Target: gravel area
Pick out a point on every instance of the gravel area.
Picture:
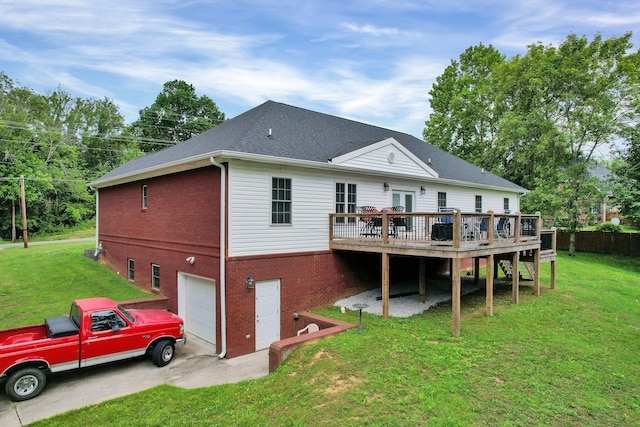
(405, 306)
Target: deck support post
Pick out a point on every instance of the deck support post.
(489, 302)
(385, 285)
(455, 297)
(476, 269)
(553, 274)
(536, 272)
(422, 288)
(515, 278)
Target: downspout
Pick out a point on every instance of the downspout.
(223, 286)
(98, 246)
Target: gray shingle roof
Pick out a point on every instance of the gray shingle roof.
(301, 134)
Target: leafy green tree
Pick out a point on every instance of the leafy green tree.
(465, 113)
(626, 191)
(58, 143)
(552, 112)
(177, 114)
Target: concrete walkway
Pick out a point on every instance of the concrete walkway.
(195, 365)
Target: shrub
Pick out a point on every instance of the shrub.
(609, 227)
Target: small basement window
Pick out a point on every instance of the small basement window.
(130, 269)
(144, 196)
(155, 276)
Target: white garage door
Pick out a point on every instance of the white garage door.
(197, 306)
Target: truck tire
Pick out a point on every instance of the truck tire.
(163, 353)
(25, 384)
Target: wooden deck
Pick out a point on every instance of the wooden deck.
(452, 236)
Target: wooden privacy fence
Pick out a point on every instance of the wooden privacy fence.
(602, 242)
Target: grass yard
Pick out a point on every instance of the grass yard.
(567, 358)
(41, 281)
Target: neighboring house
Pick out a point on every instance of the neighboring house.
(233, 224)
(601, 210)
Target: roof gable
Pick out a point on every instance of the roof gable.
(387, 155)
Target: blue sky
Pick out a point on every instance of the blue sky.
(367, 60)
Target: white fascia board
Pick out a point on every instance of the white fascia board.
(155, 171)
(382, 144)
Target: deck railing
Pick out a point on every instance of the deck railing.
(454, 229)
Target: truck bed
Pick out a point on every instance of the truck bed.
(54, 327)
(22, 334)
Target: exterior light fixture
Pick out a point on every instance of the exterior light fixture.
(423, 190)
(386, 186)
(250, 282)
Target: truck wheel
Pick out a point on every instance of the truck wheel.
(25, 384)
(163, 353)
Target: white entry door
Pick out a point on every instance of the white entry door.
(197, 306)
(267, 313)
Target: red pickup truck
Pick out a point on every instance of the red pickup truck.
(96, 331)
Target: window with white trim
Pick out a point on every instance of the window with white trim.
(345, 200)
(478, 203)
(442, 199)
(280, 200)
(506, 204)
(155, 276)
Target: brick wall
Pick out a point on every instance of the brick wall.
(307, 280)
(159, 303)
(280, 350)
(181, 220)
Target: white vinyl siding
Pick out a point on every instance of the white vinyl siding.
(387, 156)
(314, 198)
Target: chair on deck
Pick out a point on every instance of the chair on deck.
(368, 227)
(503, 228)
(484, 224)
(446, 219)
(310, 328)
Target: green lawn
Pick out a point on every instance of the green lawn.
(567, 358)
(42, 280)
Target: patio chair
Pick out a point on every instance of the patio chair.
(368, 227)
(310, 328)
(503, 228)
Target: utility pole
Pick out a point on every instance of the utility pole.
(23, 209)
(13, 221)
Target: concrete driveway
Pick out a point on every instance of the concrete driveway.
(194, 366)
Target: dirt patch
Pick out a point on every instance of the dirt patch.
(339, 385)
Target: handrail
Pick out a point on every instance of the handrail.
(456, 229)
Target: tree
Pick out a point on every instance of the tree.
(58, 143)
(626, 192)
(551, 112)
(177, 114)
(465, 113)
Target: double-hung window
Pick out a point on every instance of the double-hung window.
(506, 205)
(345, 200)
(478, 203)
(442, 200)
(280, 200)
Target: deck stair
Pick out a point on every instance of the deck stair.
(507, 268)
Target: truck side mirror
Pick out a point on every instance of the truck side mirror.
(115, 328)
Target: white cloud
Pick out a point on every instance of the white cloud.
(372, 60)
